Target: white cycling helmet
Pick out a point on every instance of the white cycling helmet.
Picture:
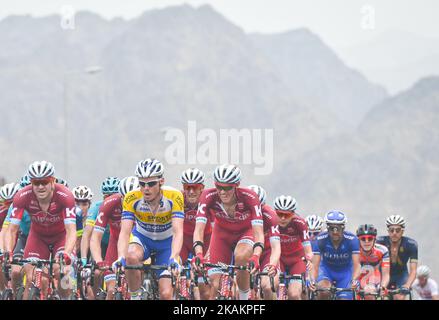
(227, 173)
(40, 169)
(82, 193)
(423, 271)
(336, 217)
(315, 223)
(260, 192)
(285, 203)
(128, 184)
(396, 220)
(8, 191)
(192, 176)
(62, 181)
(149, 168)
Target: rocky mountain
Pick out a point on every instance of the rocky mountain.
(390, 165)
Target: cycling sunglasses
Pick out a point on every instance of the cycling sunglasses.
(367, 238)
(335, 228)
(397, 230)
(224, 188)
(42, 182)
(195, 186)
(150, 184)
(284, 214)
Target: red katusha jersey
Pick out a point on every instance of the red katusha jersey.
(60, 213)
(377, 257)
(293, 235)
(110, 212)
(247, 210)
(271, 225)
(190, 216)
(3, 213)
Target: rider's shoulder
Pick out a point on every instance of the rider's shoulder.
(132, 196)
(322, 236)
(349, 235)
(409, 241)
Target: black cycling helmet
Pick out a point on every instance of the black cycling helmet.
(366, 229)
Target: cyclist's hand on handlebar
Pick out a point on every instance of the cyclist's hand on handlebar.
(66, 258)
(120, 262)
(404, 290)
(271, 270)
(253, 263)
(355, 284)
(198, 261)
(174, 266)
(312, 285)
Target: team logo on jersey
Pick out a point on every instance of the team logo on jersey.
(99, 217)
(275, 229)
(201, 208)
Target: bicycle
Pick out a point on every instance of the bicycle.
(255, 285)
(82, 281)
(390, 293)
(101, 294)
(185, 285)
(36, 292)
(284, 282)
(334, 291)
(7, 294)
(361, 294)
(150, 287)
(225, 291)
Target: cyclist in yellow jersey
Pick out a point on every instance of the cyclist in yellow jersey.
(152, 221)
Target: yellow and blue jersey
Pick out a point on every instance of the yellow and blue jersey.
(156, 226)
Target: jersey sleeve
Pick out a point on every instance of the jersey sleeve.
(91, 215)
(355, 245)
(413, 256)
(303, 231)
(69, 211)
(17, 208)
(385, 262)
(315, 247)
(255, 209)
(178, 205)
(8, 218)
(128, 210)
(102, 219)
(203, 207)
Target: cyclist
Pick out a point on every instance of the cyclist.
(154, 218)
(402, 250)
(295, 244)
(51, 207)
(425, 287)
(109, 187)
(83, 197)
(192, 180)
(336, 257)
(16, 270)
(7, 193)
(110, 214)
(374, 260)
(315, 226)
(62, 181)
(271, 255)
(238, 229)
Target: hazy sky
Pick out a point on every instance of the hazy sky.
(338, 22)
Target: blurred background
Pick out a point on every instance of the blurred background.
(350, 88)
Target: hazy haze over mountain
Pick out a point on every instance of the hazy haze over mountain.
(340, 141)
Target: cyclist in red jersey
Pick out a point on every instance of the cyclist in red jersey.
(374, 260)
(193, 185)
(110, 213)
(51, 207)
(295, 244)
(238, 229)
(271, 255)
